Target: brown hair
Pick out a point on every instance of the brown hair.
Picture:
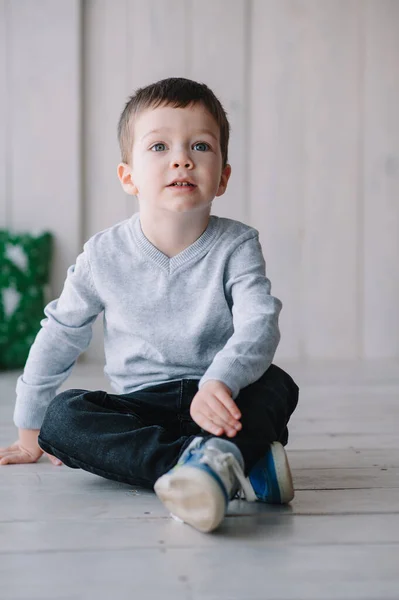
(179, 93)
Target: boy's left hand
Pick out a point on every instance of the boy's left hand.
(213, 409)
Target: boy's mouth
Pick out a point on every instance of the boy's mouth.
(181, 183)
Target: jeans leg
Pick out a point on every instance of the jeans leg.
(133, 438)
(266, 407)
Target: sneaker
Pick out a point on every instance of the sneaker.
(198, 489)
(271, 477)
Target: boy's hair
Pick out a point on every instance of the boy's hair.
(179, 93)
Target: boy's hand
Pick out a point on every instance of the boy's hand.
(214, 410)
(25, 450)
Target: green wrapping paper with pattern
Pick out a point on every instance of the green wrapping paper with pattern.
(25, 262)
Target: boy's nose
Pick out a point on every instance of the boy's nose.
(184, 161)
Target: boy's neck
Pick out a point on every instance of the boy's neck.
(173, 234)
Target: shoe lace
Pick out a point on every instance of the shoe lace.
(226, 465)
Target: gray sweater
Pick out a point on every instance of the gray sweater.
(206, 313)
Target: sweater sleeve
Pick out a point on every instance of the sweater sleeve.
(65, 333)
(250, 350)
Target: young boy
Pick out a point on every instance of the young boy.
(190, 330)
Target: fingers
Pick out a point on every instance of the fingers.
(220, 415)
(208, 425)
(211, 411)
(229, 404)
(10, 457)
(211, 425)
(15, 458)
(7, 452)
(211, 421)
(54, 460)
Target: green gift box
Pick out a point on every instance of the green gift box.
(25, 262)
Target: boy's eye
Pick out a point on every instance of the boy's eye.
(158, 147)
(201, 146)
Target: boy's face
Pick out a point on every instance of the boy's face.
(175, 144)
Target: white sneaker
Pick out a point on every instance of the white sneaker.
(198, 489)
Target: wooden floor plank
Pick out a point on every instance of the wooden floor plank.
(266, 530)
(280, 573)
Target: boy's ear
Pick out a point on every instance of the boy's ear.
(223, 180)
(125, 177)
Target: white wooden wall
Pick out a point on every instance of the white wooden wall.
(312, 91)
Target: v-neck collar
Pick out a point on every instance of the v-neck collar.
(172, 263)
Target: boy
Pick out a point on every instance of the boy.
(190, 330)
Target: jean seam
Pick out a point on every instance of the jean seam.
(179, 408)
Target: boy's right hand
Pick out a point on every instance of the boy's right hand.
(25, 450)
(214, 410)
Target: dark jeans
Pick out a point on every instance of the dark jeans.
(135, 438)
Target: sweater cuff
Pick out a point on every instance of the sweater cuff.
(30, 408)
(230, 373)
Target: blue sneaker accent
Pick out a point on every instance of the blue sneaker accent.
(271, 477)
(192, 457)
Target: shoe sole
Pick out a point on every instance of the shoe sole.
(193, 496)
(283, 473)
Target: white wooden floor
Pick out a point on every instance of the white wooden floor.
(69, 535)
